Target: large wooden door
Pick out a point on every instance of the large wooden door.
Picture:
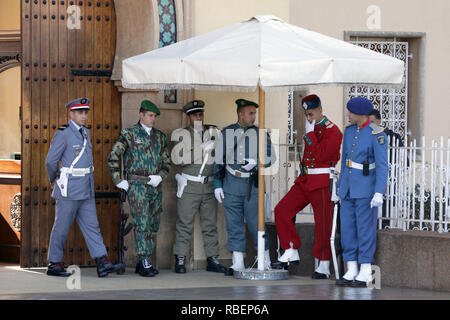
(67, 52)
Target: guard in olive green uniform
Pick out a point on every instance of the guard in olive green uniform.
(196, 188)
(146, 163)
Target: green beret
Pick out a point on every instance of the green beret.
(194, 106)
(147, 105)
(244, 103)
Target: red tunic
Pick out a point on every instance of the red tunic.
(322, 148)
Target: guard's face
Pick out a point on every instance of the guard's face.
(314, 114)
(354, 118)
(198, 116)
(247, 116)
(148, 118)
(79, 116)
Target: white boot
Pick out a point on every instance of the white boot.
(324, 267)
(352, 270)
(267, 263)
(365, 273)
(290, 255)
(238, 261)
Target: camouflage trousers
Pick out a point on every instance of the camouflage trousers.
(145, 208)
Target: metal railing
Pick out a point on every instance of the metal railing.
(418, 190)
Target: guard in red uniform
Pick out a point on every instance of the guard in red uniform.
(322, 140)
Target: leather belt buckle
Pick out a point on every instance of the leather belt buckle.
(237, 173)
(205, 180)
(349, 163)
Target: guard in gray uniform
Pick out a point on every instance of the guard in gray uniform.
(73, 189)
(236, 181)
(196, 188)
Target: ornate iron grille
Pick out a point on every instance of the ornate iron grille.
(391, 103)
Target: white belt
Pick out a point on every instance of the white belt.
(237, 173)
(77, 172)
(318, 171)
(359, 166)
(202, 179)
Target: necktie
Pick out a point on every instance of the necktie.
(81, 132)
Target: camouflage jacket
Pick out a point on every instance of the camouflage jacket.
(143, 154)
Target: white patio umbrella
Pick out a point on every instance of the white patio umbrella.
(261, 52)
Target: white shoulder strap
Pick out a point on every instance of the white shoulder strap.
(79, 155)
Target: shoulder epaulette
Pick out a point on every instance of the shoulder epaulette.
(63, 127)
(375, 129)
(210, 126)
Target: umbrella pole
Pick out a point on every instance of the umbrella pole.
(261, 156)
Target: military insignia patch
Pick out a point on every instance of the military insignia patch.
(138, 141)
(380, 140)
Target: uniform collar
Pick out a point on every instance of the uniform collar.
(365, 124)
(245, 128)
(77, 127)
(322, 123)
(147, 129)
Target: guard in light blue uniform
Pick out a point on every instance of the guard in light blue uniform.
(74, 191)
(236, 181)
(362, 183)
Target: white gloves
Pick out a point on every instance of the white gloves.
(123, 185)
(377, 200)
(154, 180)
(218, 193)
(309, 126)
(250, 165)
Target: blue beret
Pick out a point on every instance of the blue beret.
(78, 104)
(360, 105)
(311, 102)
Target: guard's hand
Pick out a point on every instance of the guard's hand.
(309, 126)
(123, 185)
(208, 146)
(154, 180)
(218, 193)
(335, 198)
(250, 165)
(377, 200)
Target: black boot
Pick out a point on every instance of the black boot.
(214, 265)
(280, 265)
(145, 269)
(180, 264)
(318, 275)
(57, 269)
(104, 266)
(344, 282)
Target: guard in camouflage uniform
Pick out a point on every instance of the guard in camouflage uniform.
(196, 188)
(146, 163)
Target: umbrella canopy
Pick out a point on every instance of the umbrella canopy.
(261, 51)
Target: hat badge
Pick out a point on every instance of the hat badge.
(195, 103)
